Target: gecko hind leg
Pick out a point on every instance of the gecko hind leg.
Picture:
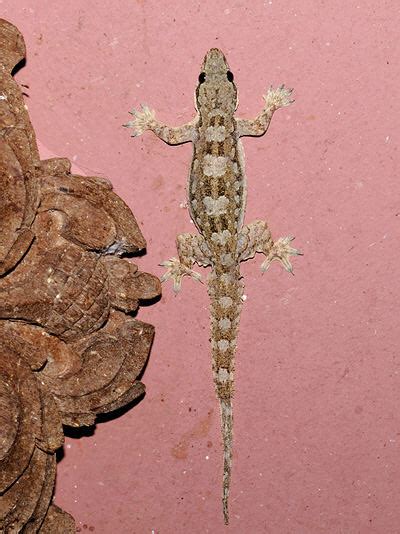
(256, 237)
(191, 249)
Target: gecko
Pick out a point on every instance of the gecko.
(216, 192)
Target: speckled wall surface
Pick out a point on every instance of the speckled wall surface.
(317, 424)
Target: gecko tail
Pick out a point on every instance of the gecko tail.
(226, 427)
(225, 289)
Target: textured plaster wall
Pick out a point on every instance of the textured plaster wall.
(317, 423)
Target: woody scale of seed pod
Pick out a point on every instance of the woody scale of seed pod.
(69, 346)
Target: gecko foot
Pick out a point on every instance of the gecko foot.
(278, 98)
(176, 271)
(281, 251)
(143, 120)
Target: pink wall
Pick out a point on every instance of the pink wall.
(317, 423)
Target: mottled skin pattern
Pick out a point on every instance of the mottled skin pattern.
(217, 198)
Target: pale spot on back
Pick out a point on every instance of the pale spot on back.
(227, 260)
(225, 302)
(223, 375)
(215, 206)
(222, 237)
(226, 278)
(224, 324)
(216, 113)
(215, 133)
(223, 345)
(214, 165)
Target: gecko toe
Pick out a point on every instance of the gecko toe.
(281, 251)
(176, 271)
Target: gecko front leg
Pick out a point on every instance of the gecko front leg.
(145, 120)
(191, 249)
(274, 99)
(256, 237)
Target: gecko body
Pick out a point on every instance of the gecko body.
(216, 192)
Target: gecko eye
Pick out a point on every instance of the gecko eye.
(229, 75)
(202, 77)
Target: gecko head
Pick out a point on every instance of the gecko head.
(216, 88)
